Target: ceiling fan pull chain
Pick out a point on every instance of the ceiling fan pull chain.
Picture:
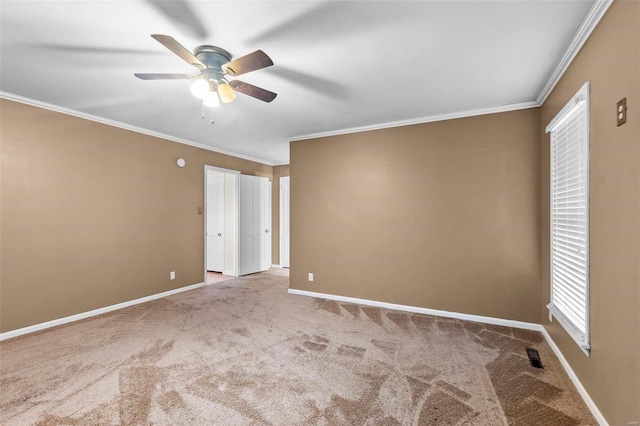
(203, 110)
(211, 115)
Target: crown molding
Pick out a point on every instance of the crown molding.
(590, 21)
(420, 120)
(113, 123)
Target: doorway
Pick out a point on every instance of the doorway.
(237, 223)
(221, 223)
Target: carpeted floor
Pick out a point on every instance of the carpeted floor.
(243, 351)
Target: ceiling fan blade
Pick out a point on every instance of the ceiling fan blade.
(251, 62)
(171, 44)
(160, 76)
(251, 90)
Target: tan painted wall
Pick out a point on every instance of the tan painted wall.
(610, 59)
(440, 215)
(93, 215)
(278, 172)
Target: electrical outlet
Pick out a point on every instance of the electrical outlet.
(621, 111)
(172, 275)
(310, 276)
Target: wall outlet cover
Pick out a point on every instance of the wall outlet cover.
(621, 111)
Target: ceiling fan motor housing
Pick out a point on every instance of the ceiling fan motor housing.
(213, 57)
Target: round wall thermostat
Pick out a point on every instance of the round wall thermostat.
(181, 162)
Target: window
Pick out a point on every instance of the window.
(569, 181)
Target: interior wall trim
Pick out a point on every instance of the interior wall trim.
(420, 120)
(477, 318)
(585, 29)
(419, 310)
(113, 123)
(77, 317)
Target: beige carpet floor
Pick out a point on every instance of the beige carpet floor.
(243, 351)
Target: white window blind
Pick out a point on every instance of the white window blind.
(570, 217)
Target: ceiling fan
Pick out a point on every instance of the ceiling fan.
(215, 64)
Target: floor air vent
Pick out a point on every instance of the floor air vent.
(534, 358)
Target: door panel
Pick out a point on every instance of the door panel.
(265, 206)
(215, 222)
(255, 224)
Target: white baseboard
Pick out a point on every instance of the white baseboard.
(477, 318)
(574, 378)
(418, 310)
(276, 266)
(93, 313)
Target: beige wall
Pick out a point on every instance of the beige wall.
(610, 59)
(94, 215)
(440, 215)
(278, 172)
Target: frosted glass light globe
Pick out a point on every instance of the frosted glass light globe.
(226, 92)
(200, 88)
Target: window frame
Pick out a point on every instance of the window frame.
(580, 101)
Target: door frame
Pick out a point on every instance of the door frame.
(236, 189)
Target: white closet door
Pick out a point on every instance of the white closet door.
(255, 224)
(215, 222)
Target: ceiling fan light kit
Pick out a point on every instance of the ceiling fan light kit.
(214, 63)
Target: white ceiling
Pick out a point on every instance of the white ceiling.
(338, 65)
